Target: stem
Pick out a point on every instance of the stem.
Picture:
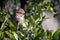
(6, 18)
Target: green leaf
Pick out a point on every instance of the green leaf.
(55, 15)
(56, 34)
(31, 6)
(2, 14)
(40, 34)
(31, 19)
(48, 7)
(1, 35)
(49, 35)
(15, 35)
(25, 24)
(37, 1)
(11, 25)
(8, 33)
(51, 10)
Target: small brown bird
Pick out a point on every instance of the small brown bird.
(20, 16)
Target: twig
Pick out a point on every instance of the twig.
(6, 18)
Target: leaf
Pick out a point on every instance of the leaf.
(51, 10)
(56, 34)
(38, 8)
(1, 35)
(11, 25)
(48, 7)
(11, 35)
(15, 35)
(8, 34)
(55, 15)
(40, 34)
(25, 24)
(37, 1)
(49, 35)
(31, 6)
(2, 14)
(31, 19)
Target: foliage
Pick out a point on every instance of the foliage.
(32, 28)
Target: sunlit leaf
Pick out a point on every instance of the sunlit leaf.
(11, 25)
(15, 35)
(25, 24)
(51, 10)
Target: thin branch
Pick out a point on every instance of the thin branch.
(6, 18)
